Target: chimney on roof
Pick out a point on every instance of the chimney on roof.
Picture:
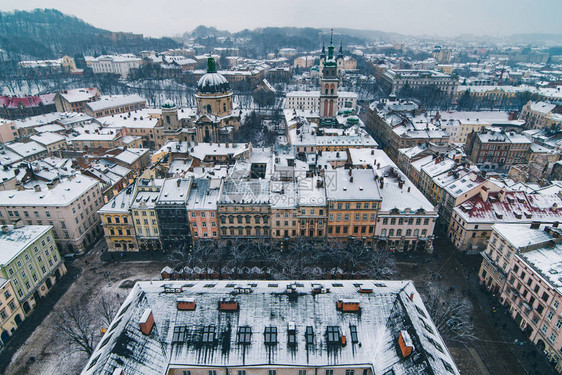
(351, 178)
(5, 229)
(146, 322)
(400, 183)
(372, 152)
(37, 188)
(405, 343)
(186, 304)
(382, 182)
(178, 182)
(409, 189)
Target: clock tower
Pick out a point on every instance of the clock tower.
(329, 88)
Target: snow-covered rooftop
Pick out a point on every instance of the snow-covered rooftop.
(352, 185)
(113, 101)
(511, 207)
(204, 194)
(175, 190)
(291, 307)
(47, 139)
(61, 194)
(26, 149)
(16, 240)
(521, 235)
(120, 203)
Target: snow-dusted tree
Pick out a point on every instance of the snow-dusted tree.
(451, 312)
(108, 307)
(77, 327)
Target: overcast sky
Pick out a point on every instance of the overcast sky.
(431, 17)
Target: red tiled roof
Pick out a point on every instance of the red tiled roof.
(26, 101)
(517, 206)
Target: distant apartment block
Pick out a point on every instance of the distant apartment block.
(109, 105)
(497, 150)
(69, 206)
(12, 107)
(73, 100)
(310, 100)
(395, 80)
(539, 115)
(115, 64)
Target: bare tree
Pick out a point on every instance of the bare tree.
(451, 312)
(108, 307)
(76, 327)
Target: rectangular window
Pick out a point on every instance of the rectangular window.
(244, 335)
(270, 335)
(333, 334)
(309, 335)
(353, 331)
(208, 334)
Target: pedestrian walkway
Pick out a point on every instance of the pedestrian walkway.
(474, 354)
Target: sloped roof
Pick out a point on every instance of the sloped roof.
(394, 306)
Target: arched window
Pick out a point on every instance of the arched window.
(332, 91)
(167, 119)
(208, 108)
(416, 232)
(408, 232)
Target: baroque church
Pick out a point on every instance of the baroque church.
(214, 119)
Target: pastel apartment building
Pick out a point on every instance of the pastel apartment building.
(521, 266)
(30, 259)
(69, 206)
(11, 314)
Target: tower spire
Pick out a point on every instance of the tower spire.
(331, 46)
